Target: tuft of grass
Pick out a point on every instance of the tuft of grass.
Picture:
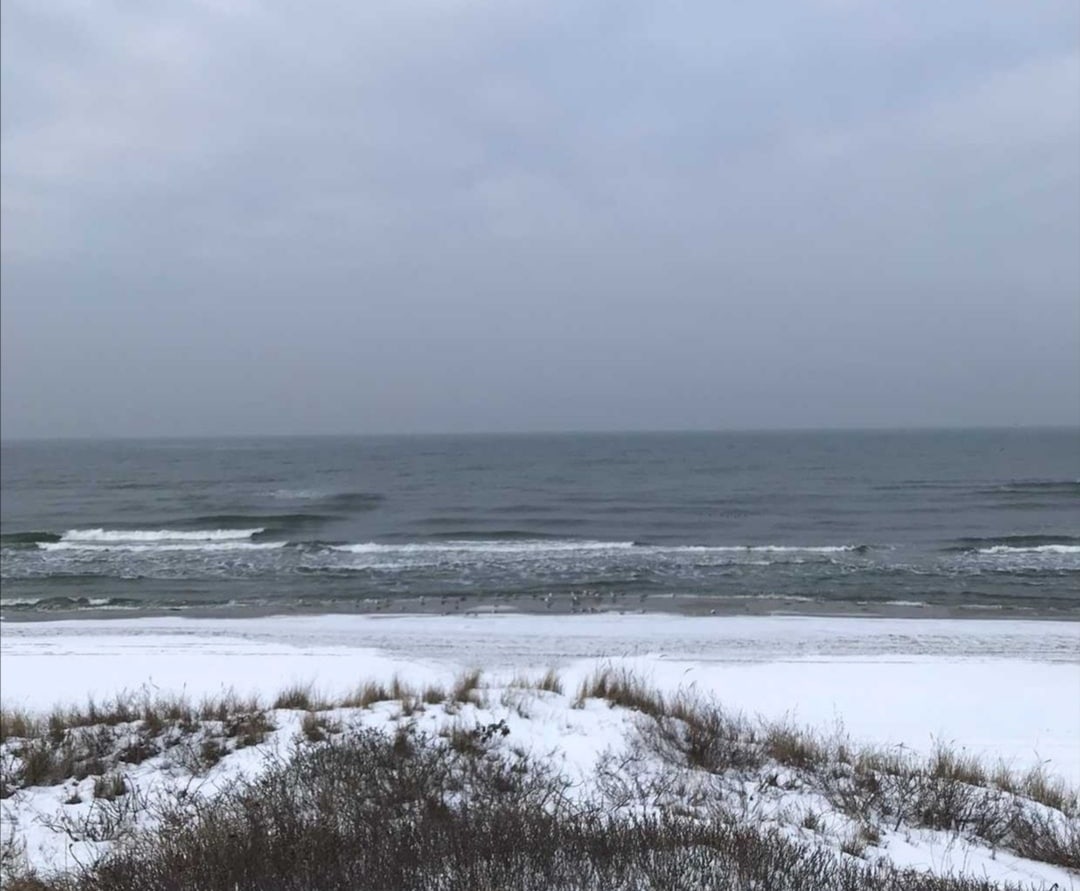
(315, 727)
(110, 786)
(159, 713)
(549, 682)
(704, 736)
(794, 747)
(18, 724)
(516, 700)
(461, 739)
(624, 689)
(210, 753)
(433, 694)
(40, 764)
(854, 845)
(466, 688)
(138, 749)
(948, 764)
(298, 697)
(400, 690)
(410, 705)
(474, 740)
(366, 695)
(248, 728)
(1054, 792)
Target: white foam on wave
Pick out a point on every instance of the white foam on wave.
(549, 546)
(158, 547)
(768, 549)
(1036, 549)
(525, 546)
(100, 536)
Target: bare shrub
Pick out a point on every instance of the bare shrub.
(210, 752)
(248, 728)
(38, 764)
(113, 815)
(138, 749)
(411, 815)
(703, 736)
(475, 740)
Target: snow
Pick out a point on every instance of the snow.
(1003, 689)
(999, 688)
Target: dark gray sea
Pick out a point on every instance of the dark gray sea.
(959, 518)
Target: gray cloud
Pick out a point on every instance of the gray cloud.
(243, 217)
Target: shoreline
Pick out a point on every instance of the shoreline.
(690, 605)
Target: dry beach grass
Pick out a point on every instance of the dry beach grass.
(693, 797)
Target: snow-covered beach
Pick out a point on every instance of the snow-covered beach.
(1006, 692)
(999, 688)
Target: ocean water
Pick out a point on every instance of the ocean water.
(958, 518)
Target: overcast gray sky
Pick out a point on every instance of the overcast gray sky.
(379, 216)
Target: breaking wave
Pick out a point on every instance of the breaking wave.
(155, 540)
(497, 535)
(129, 536)
(504, 546)
(515, 542)
(1038, 549)
(159, 546)
(775, 549)
(61, 602)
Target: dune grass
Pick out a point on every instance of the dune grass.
(666, 813)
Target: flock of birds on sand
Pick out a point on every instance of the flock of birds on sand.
(586, 601)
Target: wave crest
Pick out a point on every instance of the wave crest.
(160, 546)
(1037, 549)
(92, 536)
(503, 546)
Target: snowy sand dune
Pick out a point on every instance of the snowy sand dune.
(1001, 690)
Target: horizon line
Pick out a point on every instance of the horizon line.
(633, 431)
